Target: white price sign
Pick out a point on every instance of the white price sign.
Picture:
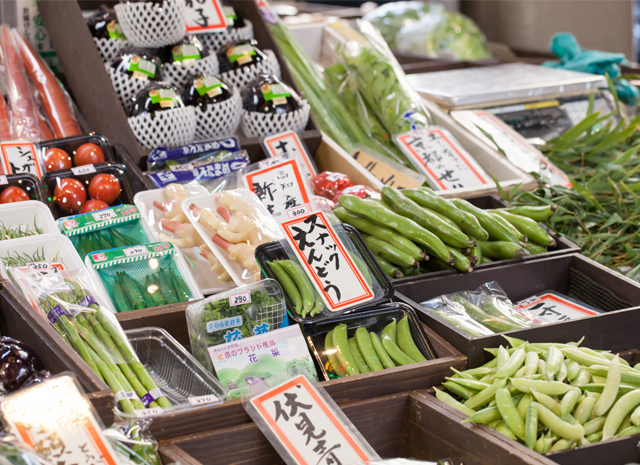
(202, 400)
(183, 167)
(104, 215)
(297, 211)
(84, 169)
(326, 261)
(554, 308)
(205, 16)
(437, 154)
(240, 298)
(148, 412)
(137, 250)
(288, 143)
(20, 158)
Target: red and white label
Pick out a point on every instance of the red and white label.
(306, 426)
(20, 158)
(554, 308)
(84, 169)
(288, 143)
(98, 257)
(240, 298)
(205, 16)
(437, 154)
(326, 261)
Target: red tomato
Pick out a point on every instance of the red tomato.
(69, 194)
(361, 191)
(328, 183)
(57, 159)
(93, 205)
(88, 154)
(105, 187)
(13, 194)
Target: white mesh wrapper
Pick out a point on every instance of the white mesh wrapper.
(256, 124)
(214, 41)
(149, 24)
(219, 119)
(239, 78)
(168, 128)
(126, 86)
(178, 75)
(109, 48)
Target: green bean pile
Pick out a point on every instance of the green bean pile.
(550, 397)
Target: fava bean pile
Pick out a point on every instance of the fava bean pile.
(414, 231)
(550, 397)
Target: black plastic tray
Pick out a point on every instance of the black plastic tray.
(374, 320)
(50, 180)
(29, 183)
(274, 251)
(71, 144)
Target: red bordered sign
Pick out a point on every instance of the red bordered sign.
(205, 16)
(288, 143)
(554, 308)
(22, 156)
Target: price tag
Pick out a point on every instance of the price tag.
(436, 153)
(43, 268)
(326, 261)
(55, 419)
(148, 412)
(201, 400)
(388, 172)
(240, 298)
(299, 419)
(553, 308)
(122, 395)
(183, 167)
(3, 180)
(84, 169)
(515, 147)
(279, 187)
(20, 158)
(39, 266)
(137, 250)
(269, 162)
(297, 211)
(288, 143)
(205, 16)
(104, 215)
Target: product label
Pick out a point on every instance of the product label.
(288, 143)
(104, 215)
(202, 173)
(151, 396)
(209, 85)
(185, 52)
(203, 400)
(240, 298)
(122, 395)
(148, 412)
(141, 68)
(114, 31)
(84, 169)
(241, 54)
(265, 9)
(112, 257)
(165, 97)
(219, 325)
(205, 16)
(43, 268)
(388, 172)
(163, 154)
(80, 224)
(182, 167)
(437, 154)
(554, 308)
(230, 15)
(20, 158)
(326, 261)
(277, 93)
(137, 250)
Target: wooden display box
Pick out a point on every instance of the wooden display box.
(573, 275)
(408, 425)
(345, 390)
(91, 86)
(19, 320)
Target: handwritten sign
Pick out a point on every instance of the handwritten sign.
(326, 261)
(20, 158)
(84, 169)
(288, 143)
(555, 308)
(240, 298)
(104, 215)
(515, 147)
(202, 400)
(302, 423)
(205, 16)
(388, 172)
(436, 153)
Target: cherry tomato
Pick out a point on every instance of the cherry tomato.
(105, 187)
(361, 191)
(57, 159)
(13, 194)
(328, 183)
(70, 194)
(93, 205)
(88, 154)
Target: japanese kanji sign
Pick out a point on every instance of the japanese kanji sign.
(288, 143)
(20, 158)
(55, 419)
(386, 173)
(307, 427)
(205, 16)
(326, 261)
(515, 147)
(554, 308)
(437, 154)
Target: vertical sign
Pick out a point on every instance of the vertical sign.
(288, 143)
(205, 16)
(20, 158)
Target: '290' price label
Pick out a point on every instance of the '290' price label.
(240, 298)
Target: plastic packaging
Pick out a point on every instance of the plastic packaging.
(240, 77)
(236, 314)
(72, 144)
(232, 224)
(133, 443)
(393, 16)
(163, 157)
(373, 320)
(28, 183)
(142, 276)
(161, 211)
(23, 219)
(13, 453)
(105, 229)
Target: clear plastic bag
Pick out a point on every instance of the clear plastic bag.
(393, 16)
(162, 157)
(13, 453)
(133, 443)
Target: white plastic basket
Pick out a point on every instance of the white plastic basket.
(239, 78)
(148, 24)
(178, 74)
(14, 215)
(255, 124)
(214, 41)
(168, 128)
(126, 86)
(219, 119)
(109, 48)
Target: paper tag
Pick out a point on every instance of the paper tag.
(122, 395)
(137, 250)
(104, 215)
(161, 154)
(388, 172)
(555, 308)
(183, 167)
(148, 412)
(298, 211)
(268, 15)
(306, 426)
(3, 180)
(54, 418)
(20, 158)
(515, 147)
(43, 268)
(289, 143)
(201, 400)
(205, 16)
(84, 169)
(447, 165)
(326, 261)
(240, 298)
(279, 187)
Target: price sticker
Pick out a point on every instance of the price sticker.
(440, 157)
(122, 395)
(554, 308)
(289, 143)
(104, 215)
(183, 167)
(148, 412)
(3, 180)
(20, 158)
(39, 266)
(202, 400)
(84, 169)
(137, 250)
(240, 298)
(205, 16)
(269, 162)
(43, 268)
(326, 261)
(297, 211)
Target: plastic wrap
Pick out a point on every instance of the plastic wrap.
(85, 322)
(393, 16)
(24, 219)
(13, 453)
(133, 443)
(163, 157)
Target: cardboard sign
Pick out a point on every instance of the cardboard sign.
(301, 422)
(20, 158)
(326, 261)
(288, 143)
(388, 172)
(205, 16)
(554, 308)
(447, 165)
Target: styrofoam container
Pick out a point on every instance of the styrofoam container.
(238, 273)
(200, 268)
(15, 214)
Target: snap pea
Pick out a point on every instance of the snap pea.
(610, 391)
(462, 374)
(623, 407)
(540, 446)
(382, 354)
(569, 401)
(584, 409)
(288, 285)
(594, 425)
(509, 412)
(554, 360)
(343, 354)
(583, 358)
(531, 426)
(394, 351)
(573, 369)
(626, 376)
(502, 355)
(525, 400)
(513, 364)
(562, 444)
(530, 363)
(635, 417)
(504, 429)
(330, 352)
(486, 395)
(484, 416)
(501, 250)
(460, 261)
(551, 388)
(459, 390)
(595, 437)
(547, 401)
(357, 356)
(584, 376)
(496, 231)
(629, 431)
(405, 341)
(447, 399)
(365, 346)
(469, 383)
(531, 228)
(509, 227)
(302, 283)
(388, 268)
(561, 375)
(388, 251)
(390, 331)
(493, 323)
(535, 213)
(480, 371)
(558, 426)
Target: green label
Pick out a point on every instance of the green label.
(80, 224)
(278, 93)
(142, 68)
(230, 14)
(209, 85)
(112, 257)
(114, 31)
(241, 54)
(165, 97)
(185, 52)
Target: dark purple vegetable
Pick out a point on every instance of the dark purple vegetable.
(203, 90)
(18, 364)
(268, 94)
(141, 63)
(189, 48)
(155, 97)
(243, 53)
(104, 24)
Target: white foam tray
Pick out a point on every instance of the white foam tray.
(23, 213)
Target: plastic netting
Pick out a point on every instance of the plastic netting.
(109, 48)
(239, 78)
(168, 128)
(219, 119)
(178, 74)
(214, 41)
(148, 24)
(256, 124)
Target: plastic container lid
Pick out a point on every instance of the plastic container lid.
(25, 214)
(27, 182)
(71, 144)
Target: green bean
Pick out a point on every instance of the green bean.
(330, 352)
(486, 395)
(405, 341)
(584, 409)
(459, 390)
(594, 425)
(530, 363)
(545, 387)
(389, 252)
(343, 354)
(531, 426)
(513, 364)
(623, 407)
(288, 285)
(501, 250)
(367, 350)
(529, 227)
(487, 222)
(509, 412)
(547, 401)
(558, 426)
(554, 360)
(382, 353)
(610, 391)
(475, 257)
(447, 399)
(569, 401)
(460, 261)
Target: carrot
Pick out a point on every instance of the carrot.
(5, 121)
(44, 127)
